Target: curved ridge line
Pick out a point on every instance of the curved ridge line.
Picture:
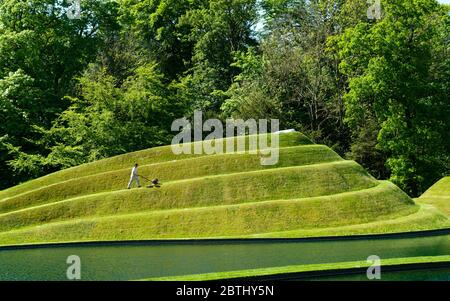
(343, 162)
(383, 185)
(157, 163)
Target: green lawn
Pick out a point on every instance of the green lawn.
(310, 192)
(374, 204)
(426, 218)
(218, 190)
(144, 157)
(438, 196)
(440, 189)
(167, 172)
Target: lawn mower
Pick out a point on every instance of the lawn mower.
(154, 183)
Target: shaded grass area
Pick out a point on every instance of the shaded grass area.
(284, 183)
(302, 268)
(168, 171)
(144, 157)
(385, 201)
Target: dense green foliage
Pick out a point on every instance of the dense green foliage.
(399, 78)
(77, 90)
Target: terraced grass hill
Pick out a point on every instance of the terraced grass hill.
(310, 192)
(438, 196)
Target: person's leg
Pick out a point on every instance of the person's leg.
(137, 181)
(131, 182)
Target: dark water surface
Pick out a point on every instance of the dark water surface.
(144, 260)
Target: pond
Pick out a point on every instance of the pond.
(130, 261)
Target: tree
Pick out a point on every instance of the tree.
(156, 22)
(106, 120)
(218, 30)
(19, 108)
(41, 51)
(293, 76)
(397, 70)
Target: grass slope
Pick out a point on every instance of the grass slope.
(166, 172)
(384, 201)
(285, 183)
(144, 157)
(440, 189)
(426, 218)
(310, 192)
(438, 196)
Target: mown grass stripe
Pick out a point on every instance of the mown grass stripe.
(322, 267)
(17, 218)
(425, 217)
(336, 172)
(143, 157)
(175, 170)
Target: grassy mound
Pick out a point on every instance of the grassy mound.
(438, 196)
(310, 192)
(440, 189)
(286, 183)
(384, 201)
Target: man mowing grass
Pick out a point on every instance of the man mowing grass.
(134, 176)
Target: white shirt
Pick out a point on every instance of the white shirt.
(134, 172)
